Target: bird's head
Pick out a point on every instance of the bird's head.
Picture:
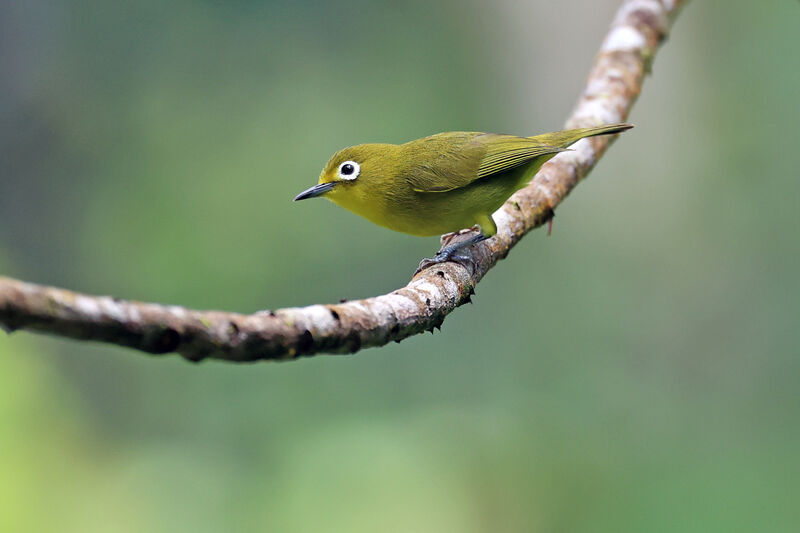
(352, 173)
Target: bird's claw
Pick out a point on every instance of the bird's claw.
(467, 261)
(425, 263)
(430, 261)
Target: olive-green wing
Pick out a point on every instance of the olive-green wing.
(452, 160)
(504, 152)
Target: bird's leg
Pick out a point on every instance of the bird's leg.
(450, 252)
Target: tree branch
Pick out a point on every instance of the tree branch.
(612, 87)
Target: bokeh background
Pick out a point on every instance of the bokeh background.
(637, 371)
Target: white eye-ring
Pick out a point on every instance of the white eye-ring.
(349, 170)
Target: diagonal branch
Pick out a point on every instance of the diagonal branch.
(612, 87)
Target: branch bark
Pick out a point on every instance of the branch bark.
(612, 87)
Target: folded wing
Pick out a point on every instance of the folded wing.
(456, 159)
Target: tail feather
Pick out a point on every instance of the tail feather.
(565, 138)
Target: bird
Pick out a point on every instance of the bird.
(443, 183)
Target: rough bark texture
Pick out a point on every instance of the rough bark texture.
(612, 87)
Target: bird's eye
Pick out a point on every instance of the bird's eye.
(349, 170)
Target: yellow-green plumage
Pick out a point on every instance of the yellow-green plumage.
(442, 183)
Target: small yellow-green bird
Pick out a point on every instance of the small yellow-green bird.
(442, 183)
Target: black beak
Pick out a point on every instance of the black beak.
(316, 190)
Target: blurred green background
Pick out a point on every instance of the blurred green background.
(637, 371)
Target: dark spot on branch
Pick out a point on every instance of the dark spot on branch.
(195, 357)
(233, 328)
(353, 342)
(305, 342)
(646, 19)
(166, 342)
(7, 327)
(342, 300)
(440, 273)
(427, 302)
(334, 314)
(272, 314)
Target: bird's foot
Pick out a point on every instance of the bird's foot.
(462, 259)
(467, 261)
(454, 253)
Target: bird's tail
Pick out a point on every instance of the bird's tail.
(565, 138)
